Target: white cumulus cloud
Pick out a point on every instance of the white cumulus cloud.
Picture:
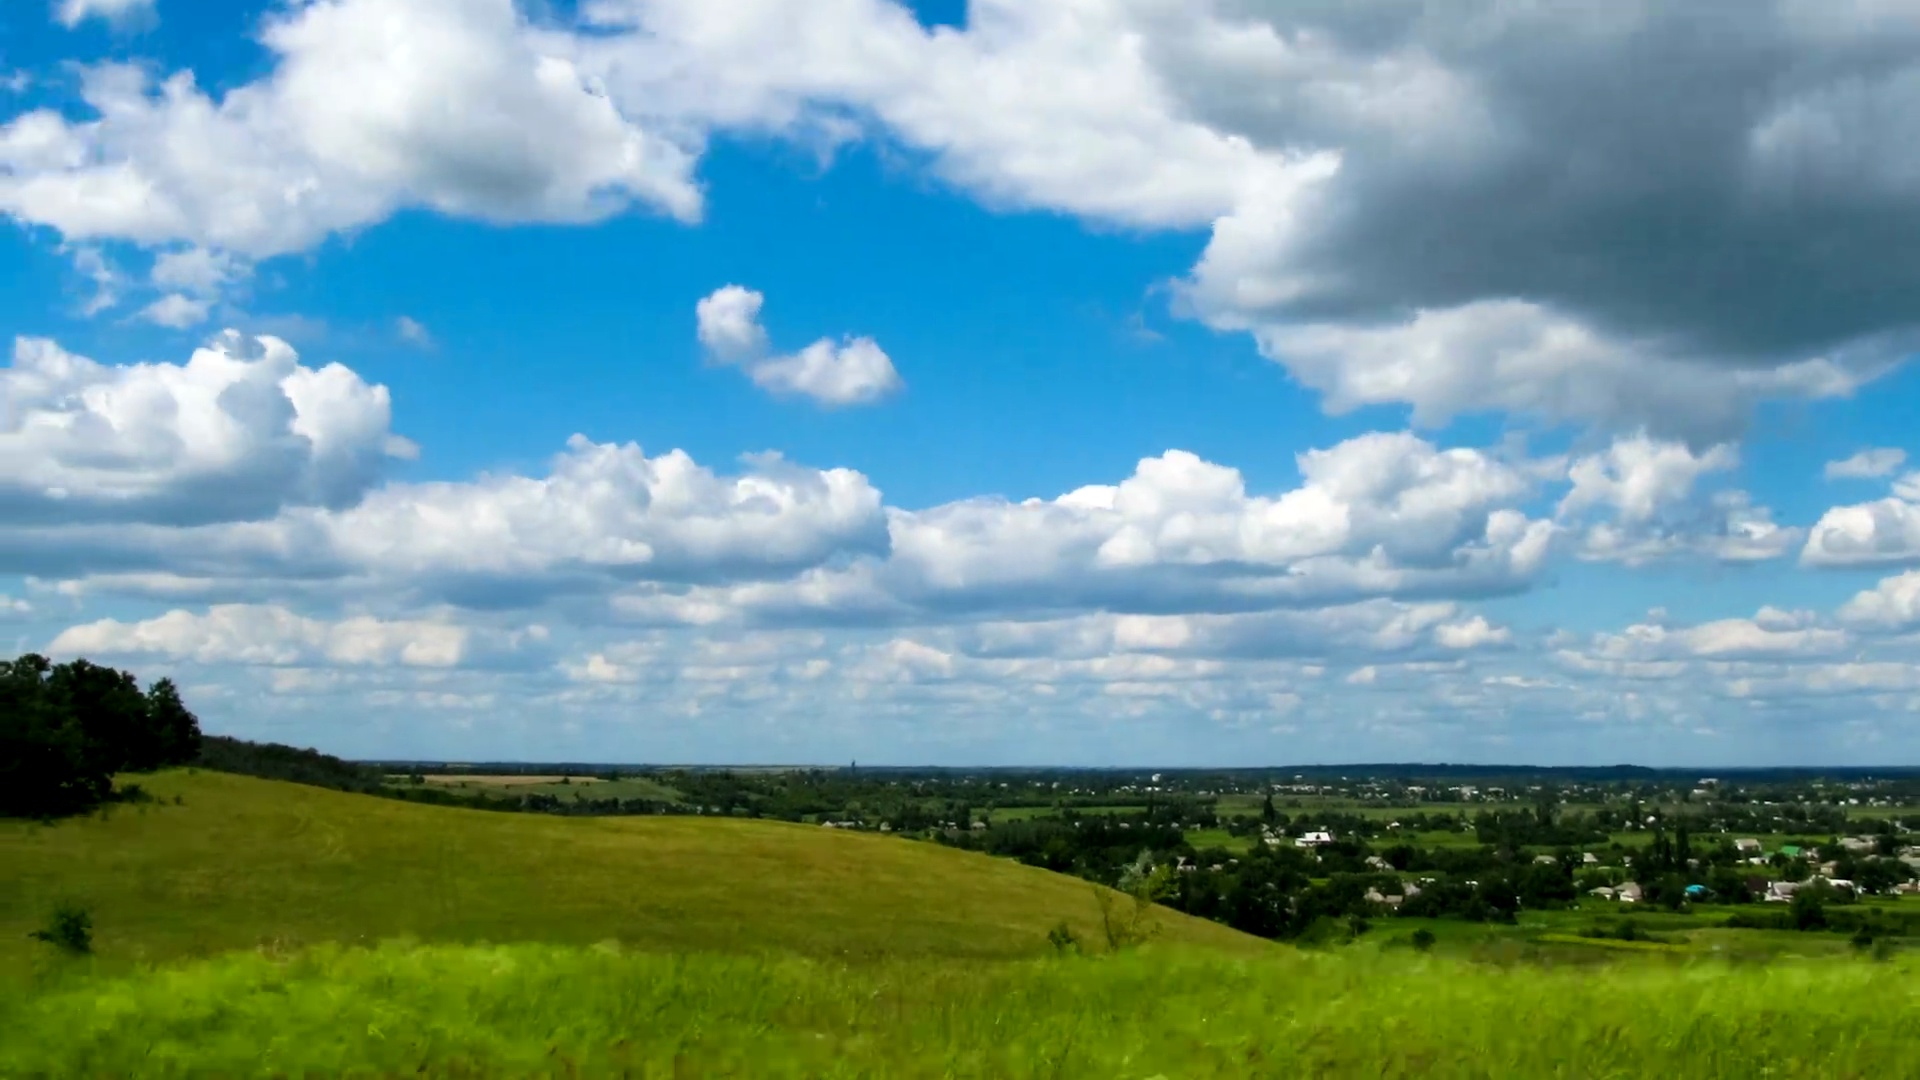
(853, 372)
(239, 430)
(350, 126)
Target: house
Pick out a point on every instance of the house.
(1545, 860)
(1779, 892)
(1375, 896)
(1378, 863)
(1628, 893)
(1747, 846)
(1314, 839)
(1843, 883)
(1603, 892)
(1858, 843)
(1791, 851)
(1589, 859)
(981, 825)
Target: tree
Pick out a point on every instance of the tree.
(1267, 812)
(45, 764)
(111, 711)
(176, 731)
(1807, 911)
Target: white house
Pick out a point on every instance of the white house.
(1314, 839)
(1628, 893)
(1747, 846)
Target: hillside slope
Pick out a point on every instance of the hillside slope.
(241, 862)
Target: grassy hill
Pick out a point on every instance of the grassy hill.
(1167, 1012)
(241, 862)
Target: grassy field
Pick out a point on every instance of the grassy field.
(241, 862)
(1159, 1012)
(1219, 838)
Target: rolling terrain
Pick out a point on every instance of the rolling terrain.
(240, 862)
(247, 926)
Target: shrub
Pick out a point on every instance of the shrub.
(70, 930)
(1063, 939)
(1423, 939)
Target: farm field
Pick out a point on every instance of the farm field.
(241, 862)
(1219, 838)
(1155, 1012)
(562, 787)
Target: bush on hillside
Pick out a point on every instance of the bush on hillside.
(65, 729)
(70, 930)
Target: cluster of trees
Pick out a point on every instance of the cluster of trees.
(276, 761)
(1542, 826)
(1099, 847)
(66, 729)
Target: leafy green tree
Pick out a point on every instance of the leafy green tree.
(1728, 886)
(1808, 911)
(111, 711)
(47, 766)
(175, 730)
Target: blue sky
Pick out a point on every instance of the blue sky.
(663, 380)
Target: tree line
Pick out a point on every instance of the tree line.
(66, 729)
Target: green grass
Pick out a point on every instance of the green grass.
(546, 1010)
(243, 862)
(1202, 839)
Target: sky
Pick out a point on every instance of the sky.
(1086, 382)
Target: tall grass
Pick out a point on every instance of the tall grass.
(1158, 1012)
